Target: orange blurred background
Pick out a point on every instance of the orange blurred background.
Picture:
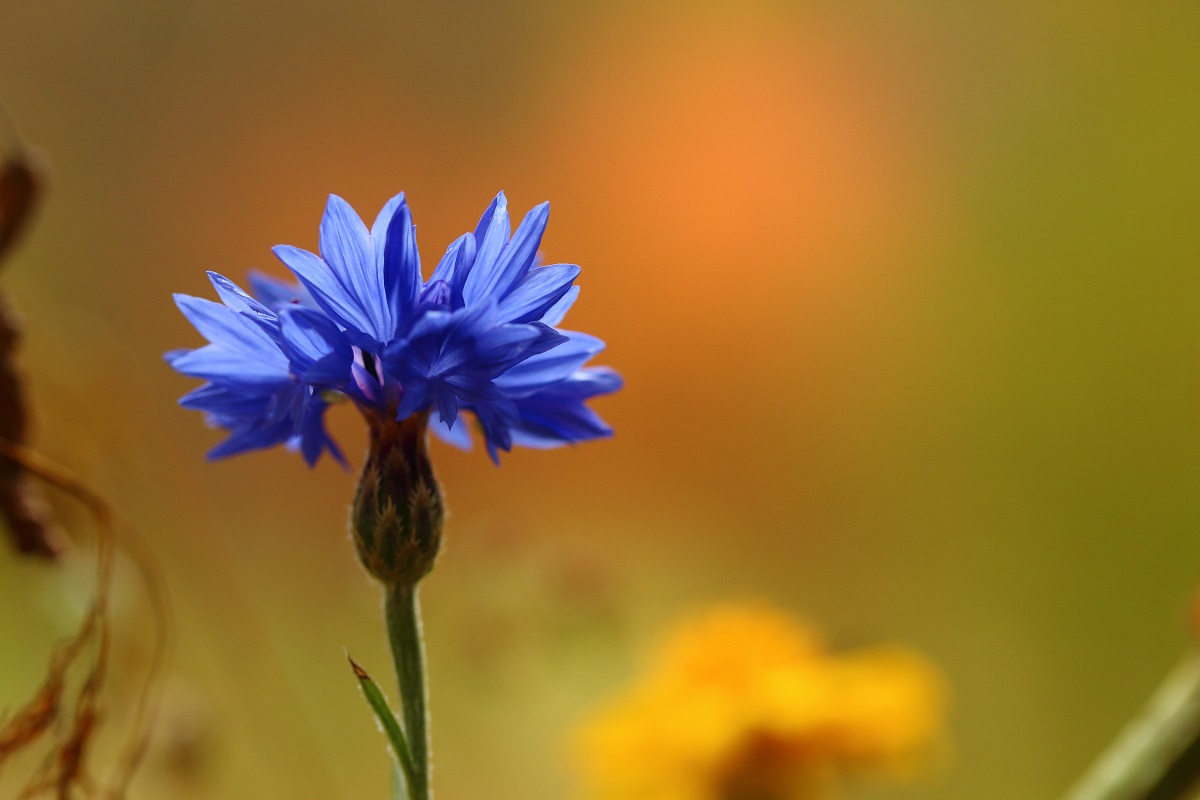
(906, 297)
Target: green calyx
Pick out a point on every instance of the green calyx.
(398, 512)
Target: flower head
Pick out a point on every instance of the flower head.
(743, 703)
(479, 336)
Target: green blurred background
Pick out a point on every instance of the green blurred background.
(906, 295)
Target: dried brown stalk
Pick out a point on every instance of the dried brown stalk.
(65, 711)
(64, 771)
(29, 524)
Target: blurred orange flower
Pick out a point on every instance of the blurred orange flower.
(745, 704)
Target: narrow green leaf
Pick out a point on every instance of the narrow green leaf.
(383, 712)
(399, 785)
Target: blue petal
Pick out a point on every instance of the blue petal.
(517, 259)
(489, 246)
(400, 265)
(380, 226)
(447, 404)
(470, 388)
(224, 401)
(554, 315)
(499, 202)
(329, 294)
(455, 266)
(551, 366)
(310, 336)
(314, 439)
(504, 342)
(252, 438)
(220, 364)
(548, 338)
(330, 371)
(537, 293)
(558, 415)
(414, 399)
(498, 349)
(592, 381)
(497, 421)
(241, 352)
(292, 414)
(347, 248)
(236, 298)
(456, 435)
(217, 323)
(433, 322)
(277, 294)
(437, 294)
(171, 356)
(555, 427)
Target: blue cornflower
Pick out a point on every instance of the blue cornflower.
(479, 336)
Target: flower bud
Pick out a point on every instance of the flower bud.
(398, 513)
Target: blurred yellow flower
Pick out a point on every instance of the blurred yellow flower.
(745, 704)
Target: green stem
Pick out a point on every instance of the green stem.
(408, 651)
(1157, 757)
